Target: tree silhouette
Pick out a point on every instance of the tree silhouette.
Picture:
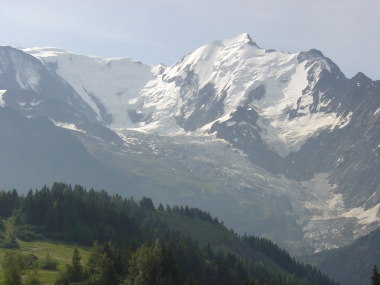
(375, 278)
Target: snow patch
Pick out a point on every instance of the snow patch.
(2, 102)
(22, 104)
(344, 121)
(69, 126)
(132, 101)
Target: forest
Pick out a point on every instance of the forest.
(133, 242)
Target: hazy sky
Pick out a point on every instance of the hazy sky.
(162, 31)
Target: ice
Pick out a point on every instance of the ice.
(364, 216)
(322, 202)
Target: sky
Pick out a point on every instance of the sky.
(163, 31)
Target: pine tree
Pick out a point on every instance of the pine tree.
(375, 278)
(73, 272)
(76, 267)
(2, 228)
(146, 203)
(101, 268)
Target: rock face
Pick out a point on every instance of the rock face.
(285, 143)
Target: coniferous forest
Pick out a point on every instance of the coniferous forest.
(132, 242)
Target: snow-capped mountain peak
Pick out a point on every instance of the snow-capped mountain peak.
(210, 84)
(107, 85)
(241, 39)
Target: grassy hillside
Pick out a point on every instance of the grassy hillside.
(59, 250)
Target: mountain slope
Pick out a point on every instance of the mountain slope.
(28, 86)
(34, 150)
(353, 264)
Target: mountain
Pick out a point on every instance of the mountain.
(108, 86)
(275, 144)
(33, 150)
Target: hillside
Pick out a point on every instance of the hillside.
(59, 251)
(351, 265)
(197, 246)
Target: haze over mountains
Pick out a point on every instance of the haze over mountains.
(275, 144)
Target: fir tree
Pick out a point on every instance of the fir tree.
(375, 278)
(74, 271)
(76, 267)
